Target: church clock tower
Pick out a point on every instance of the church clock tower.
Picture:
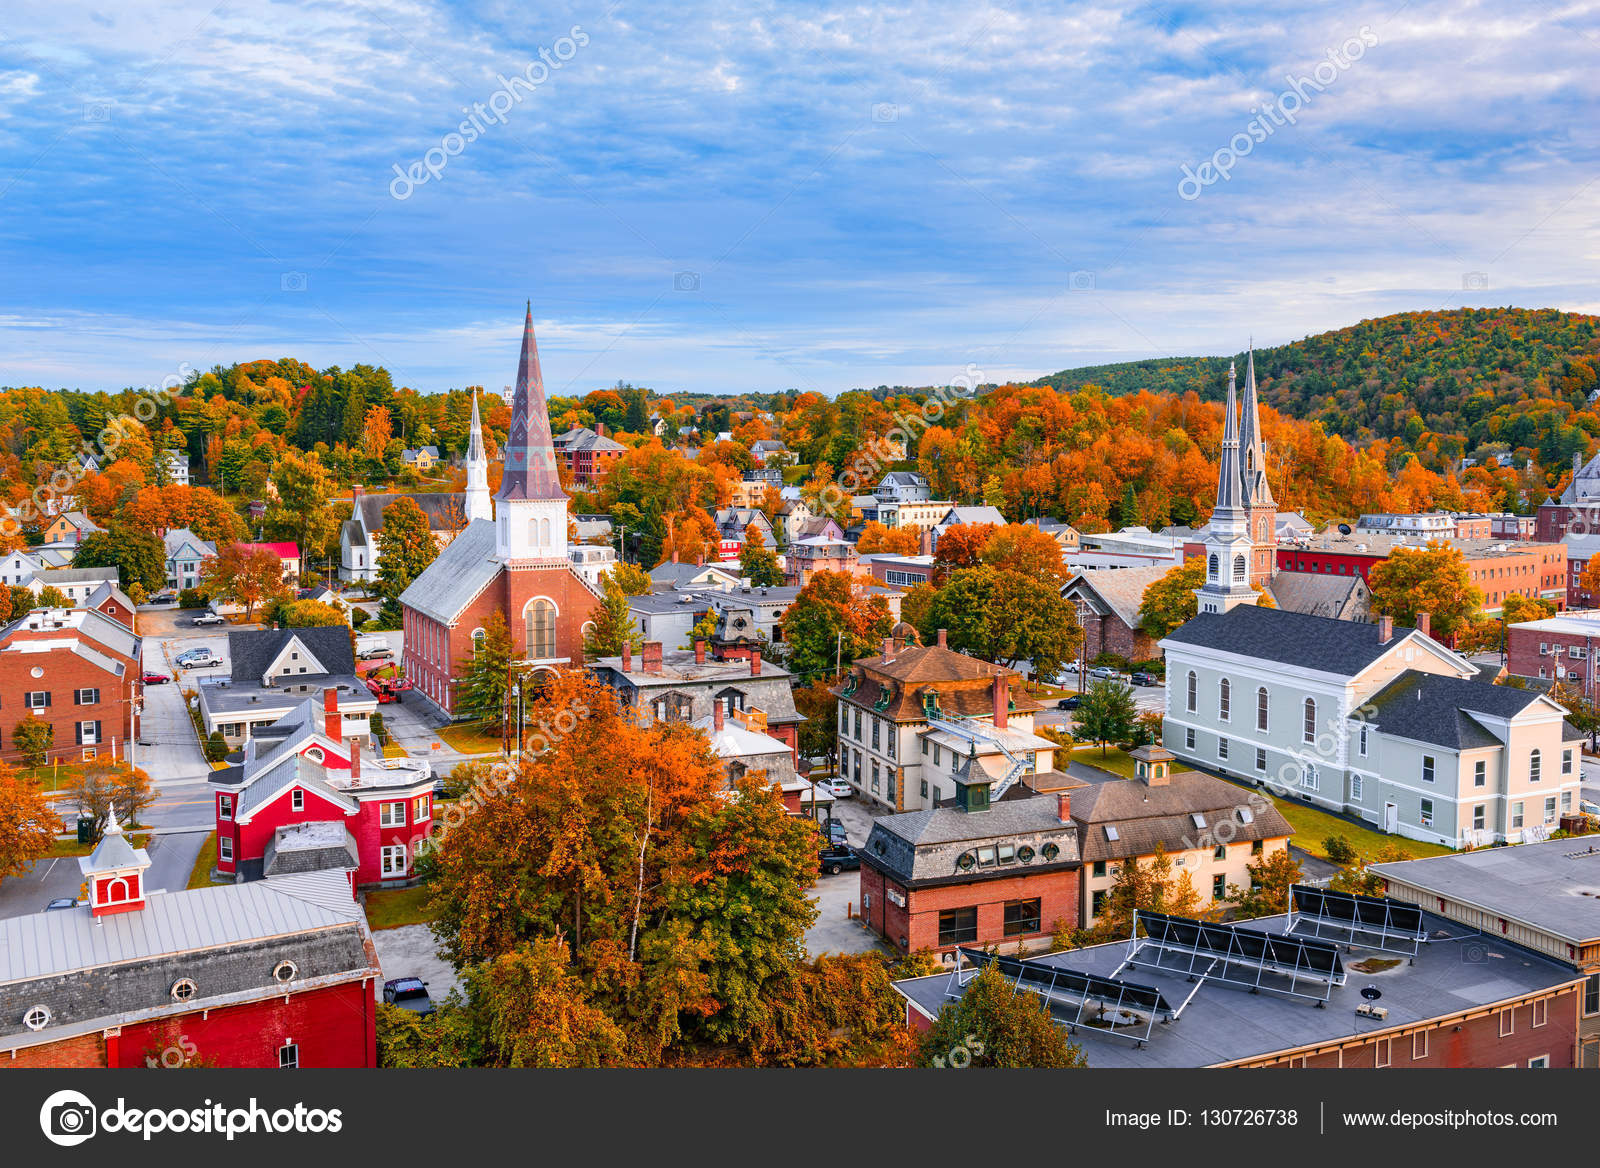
(1229, 543)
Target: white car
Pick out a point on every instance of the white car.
(198, 659)
(210, 618)
(1070, 667)
(838, 788)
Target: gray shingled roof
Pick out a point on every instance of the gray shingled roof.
(1318, 594)
(1427, 708)
(1339, 647)
(461, 571)
(1122, 589)
(252, 650)
(924, 846)
(1146, 816)
(444, 509)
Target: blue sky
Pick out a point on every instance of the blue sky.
(758, 196)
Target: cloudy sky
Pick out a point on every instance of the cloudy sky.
(763, 196)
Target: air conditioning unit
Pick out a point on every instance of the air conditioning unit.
(1368, 1010)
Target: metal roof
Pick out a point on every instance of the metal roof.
(460, 572)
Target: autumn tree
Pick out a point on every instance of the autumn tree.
(26, 819)
(243, 575)
(139, 557)
(32, 738)
(1008, 618)
(104, 785)
(406, 546)
(1433, 579)
(876, 539)
(1581, 712)
(1271, 877)
(1023, 548)
(375, 433)
(300, 614)
(1589, 578)
(962, 546)
(1106, 713)
(612, 624)
(819, 732)
(995, 1025)
(691, 538)
(1171, 601)
(632, 579)
(486, 677)
(301, 511)
(833, 620)
(757, 562)
(1518, 608)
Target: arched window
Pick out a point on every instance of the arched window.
(1535, 765)
(117, 890)
(478, 638)
(533, 532)
(539, 632)
(1211, 566)
(1238, 570)
(544, 533)
(1224, 699)
(1261, 709)
(1194, 691)
(1309, 729)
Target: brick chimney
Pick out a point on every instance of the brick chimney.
(627, 656)
(332, 721)
(600, 429)
(925, 541)
(1424, 624)
(1064, 806)
(942, 634)
(355, 757)
(652, 656)
(356, 492)
(755, 661)
(716, 716)
(1002, 702)
(1385, 629)
(699, 650)
(888, 649)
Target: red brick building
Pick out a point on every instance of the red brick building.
(516, 563)
(975, 873)
(1108, 601)
(1558, 648)
(276, 973)
(588, 455)
(303, 799)
(77, 670)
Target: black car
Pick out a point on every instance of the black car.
(837, 858)
(409, 993)
(1071, 703)
(1143, 679)
(59, 903)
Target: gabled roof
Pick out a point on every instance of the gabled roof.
(972, 515)
(294, 770)
(1119, 589)
(177, 537)
(1425, 707)
(444, 509)
(1146, 816)
(1319, 594)
(253, 650)
(59, 576)
(457, 575)
(1343, 648)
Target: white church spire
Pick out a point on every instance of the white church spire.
(477, 504)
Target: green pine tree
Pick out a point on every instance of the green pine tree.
(487, 678)
(613, 624)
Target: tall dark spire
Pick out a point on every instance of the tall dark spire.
(1230, 482)
(530, 470)
(1252, 458)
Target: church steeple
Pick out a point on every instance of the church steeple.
(1230, 476)
(1252, 458)
(477, 504)
(1228, 551)
(531, 512)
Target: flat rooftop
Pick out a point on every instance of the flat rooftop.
(1582, 623)
(1224, 1024)
(1552, 886)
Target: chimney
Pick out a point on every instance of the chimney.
(925, 541)
(699, 650)
(1385, 629)
(888, 649)
(674, 555)
(942, 633)
(1424, 621)
(332, 723)
(356, 492)
(1002, 702)
(600, 429)
(755, 661)
(627, 656)
(355, 757)
(652, 656)
(1064, 806)
(716, 715)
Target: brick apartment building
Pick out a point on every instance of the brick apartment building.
(1496, 568)
(588, 455)
(976, 873)
(1559, 648)
(77, 670)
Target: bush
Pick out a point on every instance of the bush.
(191, 598)
(1339, 850)
(378, 729)
(216, 747)
(32, 738)
(358, 617)
(1114, 661)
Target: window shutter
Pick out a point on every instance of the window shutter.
(98, 737)
(47, 699)
(77, 733)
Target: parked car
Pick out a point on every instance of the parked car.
(210, 618)
(59, 903)
(835, 832)
(1070, 667)
(156, 679)
(1144, 679)
(837, 858)
(838, 788)
(1071, 703)
(1589, 808)
(409, 993)
(1103, 672)
(198, 659)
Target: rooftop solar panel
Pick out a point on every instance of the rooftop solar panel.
(1377, 922)
(1202, 950)
(1104, 1004)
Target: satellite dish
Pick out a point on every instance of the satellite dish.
(1371, 993)
(1344, 529)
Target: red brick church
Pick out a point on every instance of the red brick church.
(512, 557)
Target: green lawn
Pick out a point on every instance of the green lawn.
(1118, 762)
(54, 776)
(65, 848)
(469, 738)
(391, 908)
(200, 875)
(1313, 826)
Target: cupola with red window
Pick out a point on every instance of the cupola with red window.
(114, 872)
